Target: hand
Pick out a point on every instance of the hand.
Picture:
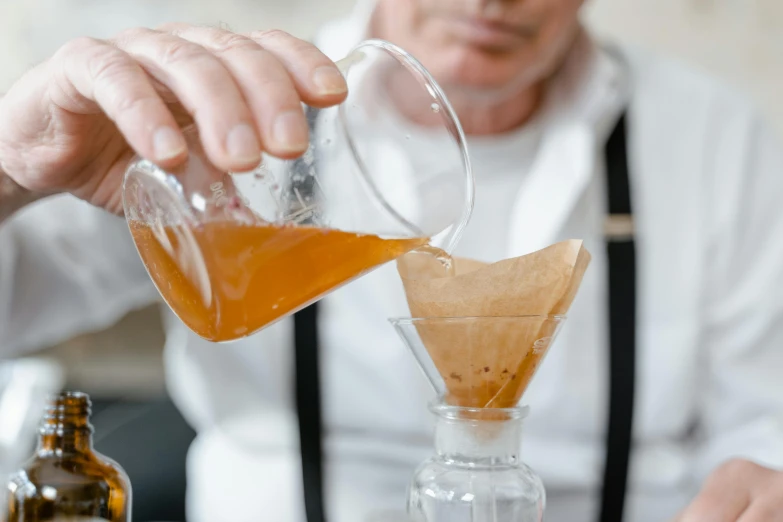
(73, 123)
(738, 491)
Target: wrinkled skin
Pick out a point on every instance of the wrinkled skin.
(72, 124)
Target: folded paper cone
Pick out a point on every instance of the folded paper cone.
(489, 364)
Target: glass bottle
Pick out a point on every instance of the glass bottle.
(66, 479)
(476, 474)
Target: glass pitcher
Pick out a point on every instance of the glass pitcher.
(386, 172)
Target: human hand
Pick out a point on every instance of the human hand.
(738, 491)
(73, 123)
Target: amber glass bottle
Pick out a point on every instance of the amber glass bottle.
(66, 479)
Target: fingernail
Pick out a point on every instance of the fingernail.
(242, 144)
(167, 143)
(328, 80)
(290, 131)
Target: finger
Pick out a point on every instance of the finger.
(265, 84)
(767, 502)
(727, 508)
(92, 75)
(725, 496)
(207, 90)
(318, 80)
(723, 507)
(766, 510)
(678, 516)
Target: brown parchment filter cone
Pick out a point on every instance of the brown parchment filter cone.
(489, 364)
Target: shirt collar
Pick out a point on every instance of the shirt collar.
(591, 88)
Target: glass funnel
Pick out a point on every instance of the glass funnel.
(386, 172)
(480, 367)
(480, 362)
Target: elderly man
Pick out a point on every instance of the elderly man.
(547, 110)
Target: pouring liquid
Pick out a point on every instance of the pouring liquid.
(255, 274)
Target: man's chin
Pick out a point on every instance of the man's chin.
(484, 84)
(476, 67)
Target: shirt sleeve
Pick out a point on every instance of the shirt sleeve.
(742, 414)
(65, 268)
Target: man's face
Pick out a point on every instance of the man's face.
(485, 46)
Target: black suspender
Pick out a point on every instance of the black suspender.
(308, 408)
(622, 328)
(308, 380)
(622, 325)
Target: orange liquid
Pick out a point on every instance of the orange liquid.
(255, 274)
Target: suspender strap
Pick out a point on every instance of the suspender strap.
(308, 408)
(622, 326)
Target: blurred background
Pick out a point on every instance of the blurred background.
(740, 41)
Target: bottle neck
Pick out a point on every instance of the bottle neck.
(479, 437)
(66, 428)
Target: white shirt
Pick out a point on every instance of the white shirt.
(706, 183)
(501, 165)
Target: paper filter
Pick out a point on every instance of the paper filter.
(484, 329)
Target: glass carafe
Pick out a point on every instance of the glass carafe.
(476, 474)
(386, 172)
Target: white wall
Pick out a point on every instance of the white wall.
(738, 40)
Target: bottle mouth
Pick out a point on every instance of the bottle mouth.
(443, 409)
(70, 409)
